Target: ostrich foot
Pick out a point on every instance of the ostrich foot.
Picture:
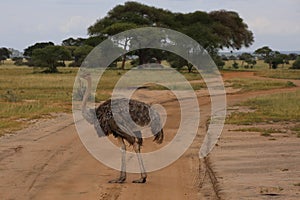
(118, 180)
(141, 180)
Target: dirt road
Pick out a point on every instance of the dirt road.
(48, 161)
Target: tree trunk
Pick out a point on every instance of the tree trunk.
(124, 56)
(190, 68)
(123, 62)
(141, 57)
(53, 68)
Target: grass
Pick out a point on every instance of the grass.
(271, 108)
(260, 65)
(153, 79)
(260, 130)
(248, 84)
(27, 95)
(296, 129)
(266, 134)
(280, 74)
(178, 86)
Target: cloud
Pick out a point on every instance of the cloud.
(77, 2)
(75, 24)
(263, 25)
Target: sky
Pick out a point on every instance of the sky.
(275, 23)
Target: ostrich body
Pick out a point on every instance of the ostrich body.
(105, 124)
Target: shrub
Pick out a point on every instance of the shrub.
(296, 64)
(235, 65)
(18, 61)
(74, 64)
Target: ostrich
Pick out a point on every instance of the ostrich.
(103, 119)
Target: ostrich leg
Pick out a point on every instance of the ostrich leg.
(122, 177)
(137, 149)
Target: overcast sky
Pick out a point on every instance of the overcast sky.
(24, 22)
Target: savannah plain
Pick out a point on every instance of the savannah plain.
(256, 157)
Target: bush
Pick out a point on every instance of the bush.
(60, 64)
(18, 61)
(218, 61)
(74, 64)
(235, 65)
(29, 63)
(296, 64)
(10, 96)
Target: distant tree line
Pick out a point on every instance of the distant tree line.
(275, 58)
(271, 57)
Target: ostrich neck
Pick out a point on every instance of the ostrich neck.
(86, 95)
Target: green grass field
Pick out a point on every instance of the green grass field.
(280, 74)
(272, 108)
(247, 84)
(260, 65)
(26, 94)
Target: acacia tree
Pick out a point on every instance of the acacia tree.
(273, 58)
(265, 52)
(248, 58)
(214, 31)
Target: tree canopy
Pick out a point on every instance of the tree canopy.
(49, 57)
(248, 58)
(4, 54)
(216, 30)
(80, 53)
(77, 42)
(39, 45)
